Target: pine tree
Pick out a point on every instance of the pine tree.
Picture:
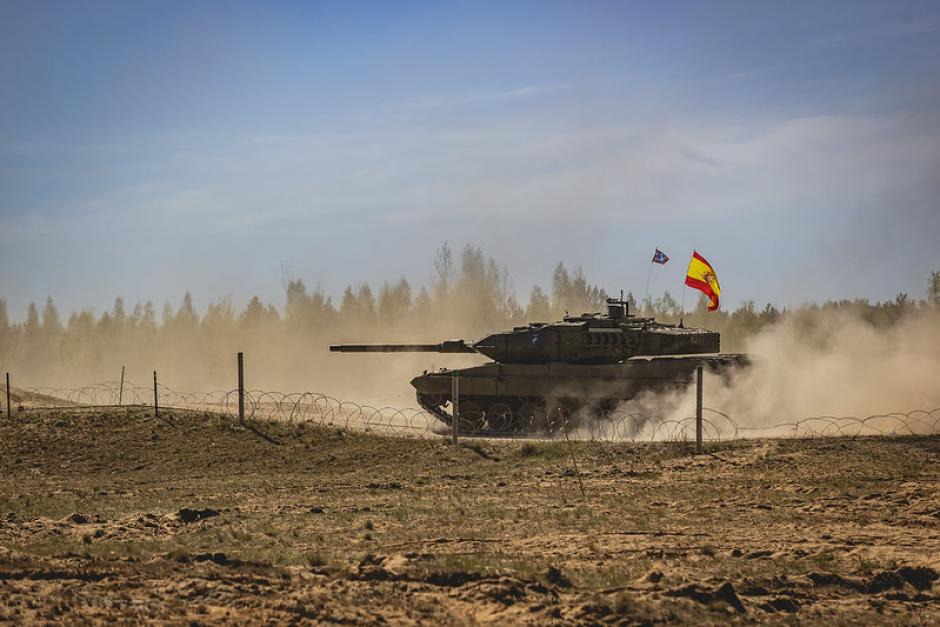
(394, 302)
(561, 288)
(118, 314)
(186, 317)
(539, 308)
(444, 267)
(32, 326)
(51, 322)
(6, 335)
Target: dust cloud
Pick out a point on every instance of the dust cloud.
(286, 347)
(839, 358)
(824, 363)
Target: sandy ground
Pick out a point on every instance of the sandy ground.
(116, 515)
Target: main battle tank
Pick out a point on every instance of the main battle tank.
(543, 374)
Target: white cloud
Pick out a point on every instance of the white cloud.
(910, 27)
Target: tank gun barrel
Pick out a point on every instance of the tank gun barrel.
(447, 346)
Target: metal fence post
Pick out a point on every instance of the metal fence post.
(241, 389)
(455, 396)
(698, 410)
(9, 407)
(121, 389)
(156, 405)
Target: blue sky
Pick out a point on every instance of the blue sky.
(149, 148)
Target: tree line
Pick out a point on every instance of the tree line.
(468, 295)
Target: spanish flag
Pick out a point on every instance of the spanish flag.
(702, 277)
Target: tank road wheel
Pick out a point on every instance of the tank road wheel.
(471, 417)
(434, 405)
(559, 419)
(530, 418)
(500, 418)
(605, 408)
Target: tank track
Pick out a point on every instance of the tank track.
(437, 410)
(512, 415)
(471, 421)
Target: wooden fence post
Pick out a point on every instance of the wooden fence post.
(156, 405)
(455, 396)
(241, 389)
(698, 410)
(121, 389)
(9, 407)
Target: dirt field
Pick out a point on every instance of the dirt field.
(120, 516)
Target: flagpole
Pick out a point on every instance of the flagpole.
(685, 288)
(646, 300)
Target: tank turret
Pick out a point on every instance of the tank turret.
(590, 338)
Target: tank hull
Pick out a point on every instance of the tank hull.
(524, 397)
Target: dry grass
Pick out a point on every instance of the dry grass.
(331, 526)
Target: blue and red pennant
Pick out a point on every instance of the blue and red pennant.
(660, 257)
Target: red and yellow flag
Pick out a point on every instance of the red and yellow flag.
(702, 277)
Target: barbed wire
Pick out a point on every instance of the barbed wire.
(613, 425)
